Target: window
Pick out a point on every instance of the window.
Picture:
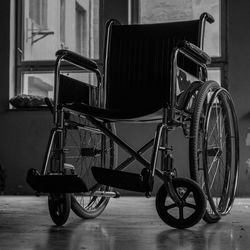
(45, 26)
(81, 30)
(38, 12)
(180, 10)
(62, 22)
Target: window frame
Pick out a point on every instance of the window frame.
(105, 12)
(62, 21)
(42, 8)
(221, 61)
(42, 66)
(80, 21)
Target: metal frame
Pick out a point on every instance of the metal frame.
(160, 140)
(165, 174)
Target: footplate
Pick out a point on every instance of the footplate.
(55, 183)
(119, 179)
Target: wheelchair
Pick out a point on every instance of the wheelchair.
(139, 84)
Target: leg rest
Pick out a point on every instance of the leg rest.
(55, 183)
(119, 179)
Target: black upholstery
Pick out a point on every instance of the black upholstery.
(77, 59)
(138, 68)
(72, 91)
(135, 114)
(139, 63)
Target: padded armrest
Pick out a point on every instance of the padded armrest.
(195, 52)
(77, 59)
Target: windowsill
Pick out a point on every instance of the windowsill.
(28, 109)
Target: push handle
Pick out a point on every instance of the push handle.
(207, 17)
(204, 17)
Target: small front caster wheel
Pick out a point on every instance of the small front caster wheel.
(191, 209)
(59, 207)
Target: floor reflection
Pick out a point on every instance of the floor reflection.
(222, 235)
(77, 235)
(99, 235)
(127, 224)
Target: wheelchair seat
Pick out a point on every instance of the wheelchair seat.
(138, 69)
(116, 114)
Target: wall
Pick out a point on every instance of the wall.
(24, 134)
(239, 81)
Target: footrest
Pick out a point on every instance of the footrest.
(119, 179)
(55, 183)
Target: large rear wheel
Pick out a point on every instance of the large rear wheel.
(214, 149)
(85, 147)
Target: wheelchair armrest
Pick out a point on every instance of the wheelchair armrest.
(77, 59)
(194, 52)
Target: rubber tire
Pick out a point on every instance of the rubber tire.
(231, 173)
(199, 198)
(213, 216)
(59, 207)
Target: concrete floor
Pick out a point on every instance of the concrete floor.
(127, 223)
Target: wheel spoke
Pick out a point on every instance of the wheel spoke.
(191, 205)
(173, 205)
(181, 214)
(214, 125)
(87, 148)
(217, 167)
(184, 197)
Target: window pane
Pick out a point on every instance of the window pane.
(62, 22)
(215, 74)
(49, 25)
(86, 77)
(42, 83)
(181, 10)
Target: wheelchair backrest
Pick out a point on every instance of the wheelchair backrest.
(138, 62)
